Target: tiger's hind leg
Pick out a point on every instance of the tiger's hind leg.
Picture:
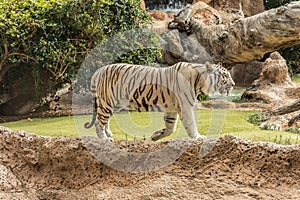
(170, 119)
(103, 132)
(100, 131)
(102, 124)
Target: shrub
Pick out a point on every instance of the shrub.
(54, 36)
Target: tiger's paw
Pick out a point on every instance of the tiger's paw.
(106, 139)
(110, 139)
(159, 134)
(200, 137)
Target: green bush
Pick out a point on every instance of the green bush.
(258, 118)
(136, 46)
(269, 4)
(54, 36)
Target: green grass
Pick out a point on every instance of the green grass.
(296, 79)
(141, 125)
(57, 126)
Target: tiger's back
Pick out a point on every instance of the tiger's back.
(138, 87)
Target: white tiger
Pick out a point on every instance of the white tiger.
(172, 90)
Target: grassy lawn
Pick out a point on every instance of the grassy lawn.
(141, 125)
(296, 79)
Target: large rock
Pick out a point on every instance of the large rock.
(249, 8)
(19, 105)
(245, 73)
(24, 95)
(161, 20)
(273, 83)
(178, 47)
(210, 12)
(205, 13)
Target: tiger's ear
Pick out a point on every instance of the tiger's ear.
(209, 66)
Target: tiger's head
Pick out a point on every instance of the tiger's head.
(217, 80)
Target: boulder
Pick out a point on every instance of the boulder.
(19, 105)
(249, 8)
(205, 1)
(205, 13)
(177, 47)
(275, 71)
(159, 15)
(273, 82)
(245, 73)
(161, 20)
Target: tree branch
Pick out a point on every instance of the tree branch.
(244, 39)
(5, 55)
(295, 106)
(5, 68)
(22, 55)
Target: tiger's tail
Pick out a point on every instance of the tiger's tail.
(90, 124)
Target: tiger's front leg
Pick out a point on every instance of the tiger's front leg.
(170, 119)
(108, 132)
(100, 130)
(188, 121)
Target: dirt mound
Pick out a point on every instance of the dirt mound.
(36, 167)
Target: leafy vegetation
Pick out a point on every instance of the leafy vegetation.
(269, 4)
(234, 124)
(53, 37)
(296, 79)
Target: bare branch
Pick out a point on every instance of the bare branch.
(6, 53)
(244, 39)
(22, 55)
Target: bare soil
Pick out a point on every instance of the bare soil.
(36, 167)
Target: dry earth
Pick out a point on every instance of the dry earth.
(36, 167)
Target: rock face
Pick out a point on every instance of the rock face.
(175, 45)
(22, 98)
(209, 12)
(245, 73)
(35, 167)
(208, 15)
(243, 39)
(249, 7)
(274, 82)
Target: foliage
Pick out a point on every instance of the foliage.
(296, 79)
(291, 54)
(56, 35)
(258, 118)
(292, 57)
(136, 46)
(255, 119)
(269, 4)
(293, 130)
(202, 97)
